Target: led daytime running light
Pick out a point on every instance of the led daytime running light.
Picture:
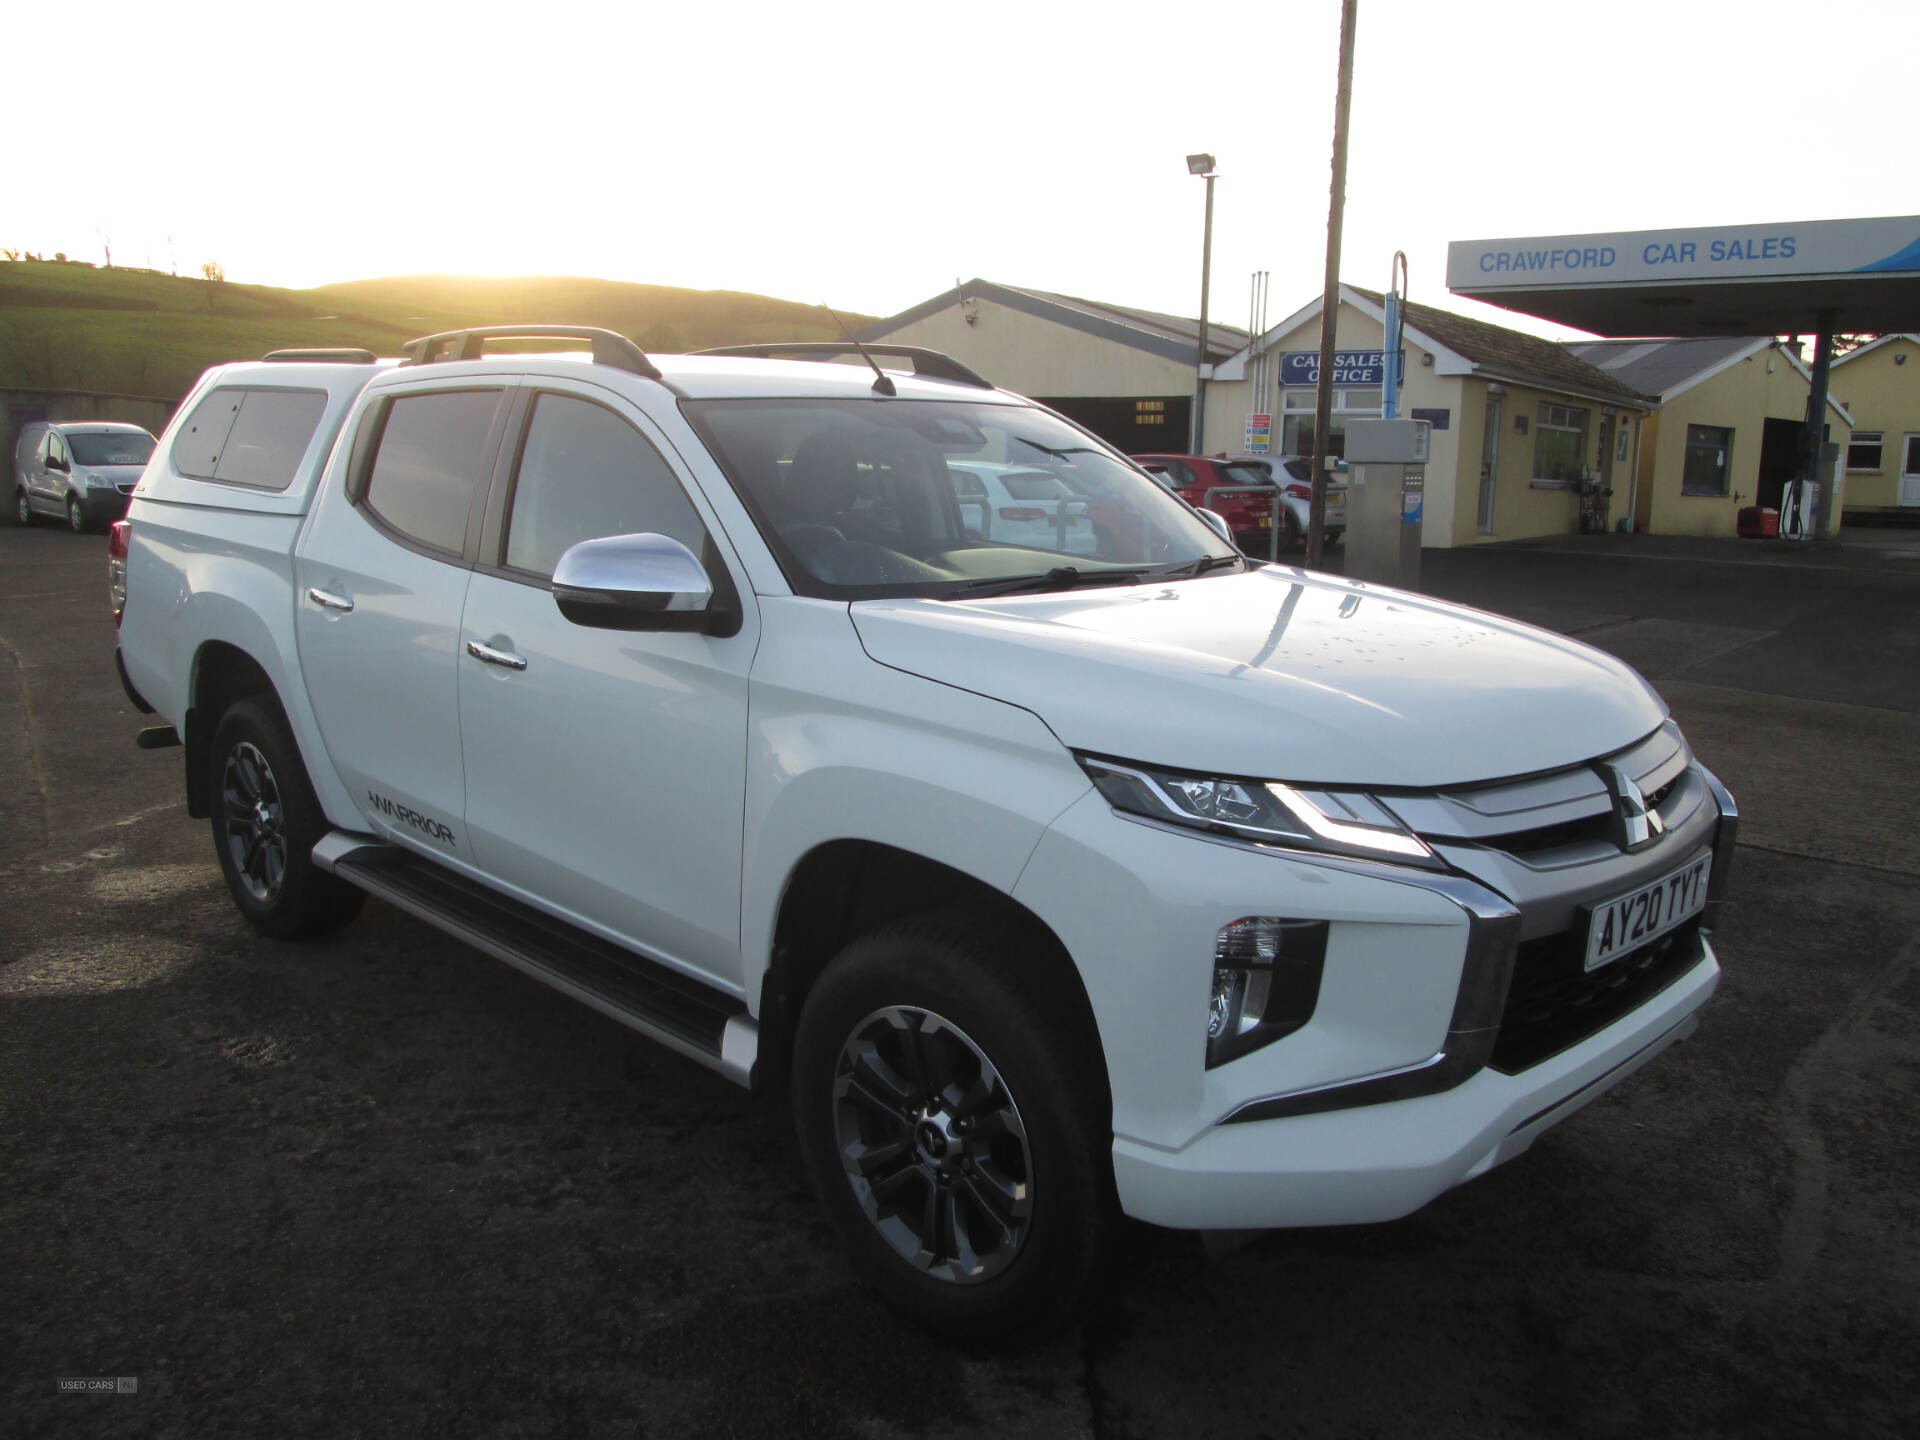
(1347, 832)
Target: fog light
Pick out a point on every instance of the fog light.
(1266, 982)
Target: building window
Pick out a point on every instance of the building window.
(1705, 472)
(1296, 417)
(1863, 451)
(1560, 443)
(1149, 412)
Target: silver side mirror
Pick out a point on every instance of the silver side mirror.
(1218, 522)
(639, 582)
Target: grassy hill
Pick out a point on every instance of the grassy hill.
(140, 332)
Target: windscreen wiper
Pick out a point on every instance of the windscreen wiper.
(1061, 577)
(1049, 450)
(1195, 567)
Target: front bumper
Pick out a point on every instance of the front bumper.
(1380, 1162)
(103, 506)
(1452, 1026)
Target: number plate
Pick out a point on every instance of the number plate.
(1629, 921)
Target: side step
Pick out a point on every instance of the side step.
(679, 1011)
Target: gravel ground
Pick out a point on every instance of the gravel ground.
(385, 1185)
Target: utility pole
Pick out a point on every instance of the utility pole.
(1330, 292)
(1816, 429)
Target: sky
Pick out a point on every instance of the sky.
(866, 156)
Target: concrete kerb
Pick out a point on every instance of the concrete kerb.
(1855, 546)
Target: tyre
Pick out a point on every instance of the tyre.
(22, 509)
(955, 1123)
(1293, 538)
(76, 517)
(266, 822)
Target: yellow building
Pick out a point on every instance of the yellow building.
(1124, 373)
(1727, 434)
(1530, 438)
(1518, 422)
(1880, 383)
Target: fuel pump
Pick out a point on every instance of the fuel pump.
(1386, 499)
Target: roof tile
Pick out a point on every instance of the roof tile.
(1509, 354)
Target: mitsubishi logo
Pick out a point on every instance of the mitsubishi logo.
(1640, 824)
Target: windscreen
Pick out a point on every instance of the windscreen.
(119, 447)
(884, 497)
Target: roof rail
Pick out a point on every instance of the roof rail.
(320, 357)
(927, 364)
(608, 348)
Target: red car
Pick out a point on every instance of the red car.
(1249, 517)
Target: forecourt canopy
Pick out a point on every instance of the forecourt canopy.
(1716, 280)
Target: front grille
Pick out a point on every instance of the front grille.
(1555, 1003)
(1588, 830)
(1561, 817)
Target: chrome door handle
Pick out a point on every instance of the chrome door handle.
(328, 599)
(504, 658)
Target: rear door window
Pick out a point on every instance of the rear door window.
(244, 436)
(430, 465)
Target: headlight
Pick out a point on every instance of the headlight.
(90, 481)
(1267, 811)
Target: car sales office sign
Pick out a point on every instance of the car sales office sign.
(1350, 367)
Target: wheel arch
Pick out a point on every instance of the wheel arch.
(222, 674)
(844, 888)
(228, 640)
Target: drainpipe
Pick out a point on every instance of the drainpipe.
(1633, 487)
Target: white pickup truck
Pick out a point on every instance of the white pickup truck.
(1127, 877)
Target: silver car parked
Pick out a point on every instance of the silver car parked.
(82, 471)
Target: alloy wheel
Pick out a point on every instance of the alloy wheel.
(933, 1144)
(255, 822)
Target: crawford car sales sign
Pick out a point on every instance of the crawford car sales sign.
(1818, 247)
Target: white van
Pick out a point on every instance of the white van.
(82, 471)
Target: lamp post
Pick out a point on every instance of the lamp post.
(1202, 165)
